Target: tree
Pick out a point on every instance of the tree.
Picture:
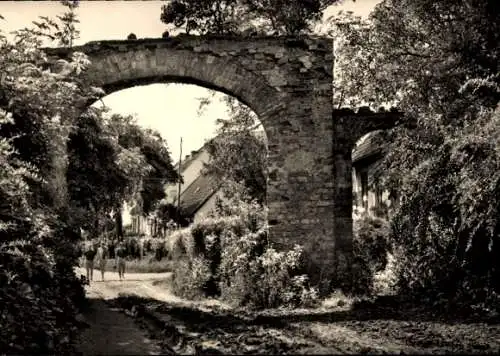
(166, 213)
(438, 61)
(287, 17)
(114, 160)
(95, 179)
(283, 17)
(215, 16)
(156, 152)
(40, 292)
(65, 32)
(239, 151)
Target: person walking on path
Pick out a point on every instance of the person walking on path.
(120, 253)
(89, 254)
(102, 255)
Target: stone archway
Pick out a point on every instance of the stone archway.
(288, 83)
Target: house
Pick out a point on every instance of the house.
(198, 194)
(198, 191)
(366, 161)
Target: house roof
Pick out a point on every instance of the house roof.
(198, 192)
(203, 187)
(370, 146)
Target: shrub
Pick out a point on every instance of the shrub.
(228, 254)
(370, 249)
(190, 277)
(39, 291)
(446, 229)
(155, 246)
(207, 235)
(180, 244)
(254, 274)
(385, 281)
(39, 298)
(424, 267)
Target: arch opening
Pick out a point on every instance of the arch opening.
(177, 117)
(258, 108)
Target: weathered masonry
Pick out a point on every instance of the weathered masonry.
(288, 83)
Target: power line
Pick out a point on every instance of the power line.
(179, 189)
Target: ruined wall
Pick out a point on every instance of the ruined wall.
(287, 82)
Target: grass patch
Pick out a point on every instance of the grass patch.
(147, 264)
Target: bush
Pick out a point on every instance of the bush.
(207, 235)
(370, 249)
(39, 291)
(425, 266)
(385, 281)
(190, 277)
(254, 274)
(180, 244)
(39, 299)
(446, 231)
(228, 255)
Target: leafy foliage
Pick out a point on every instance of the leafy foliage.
(114, 160)
(39, 290)
(438, 61)
(39, 299)
(191, 277)
(371, 246)
(229, 252)
(168, 214)
(288, 17)
(217, 16)
(64, 31)
(239, 151)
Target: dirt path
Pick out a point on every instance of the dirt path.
(113, 333)
(209, 326)
(148, 285)
(110, 331)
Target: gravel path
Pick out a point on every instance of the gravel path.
(113, 333)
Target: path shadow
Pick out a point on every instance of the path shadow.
(188, 325)
(232, 320)
(109, 332)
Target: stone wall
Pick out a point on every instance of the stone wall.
(288, 83)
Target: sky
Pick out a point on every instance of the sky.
(169, 108)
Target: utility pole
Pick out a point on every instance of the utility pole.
(179, 189)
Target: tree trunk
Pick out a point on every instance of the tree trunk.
(95, 233)
(119, 222)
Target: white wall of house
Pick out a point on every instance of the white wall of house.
(140, 225)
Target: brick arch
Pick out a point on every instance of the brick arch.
(287, 82)
(141, 67)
